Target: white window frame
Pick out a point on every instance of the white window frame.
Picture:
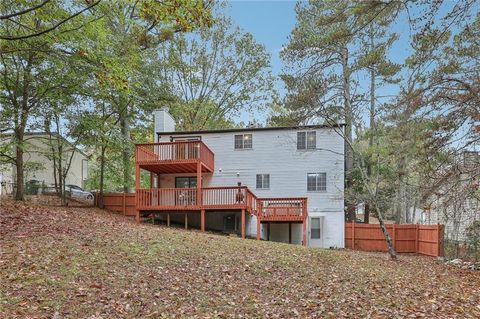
(263, 178)
(319, 186)
(245, 137)
(309, 138)
(319, 228)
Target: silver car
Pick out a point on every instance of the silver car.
(77, 193)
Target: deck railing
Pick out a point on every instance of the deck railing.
(218, 197)
(223, 197)
(282, 208)
(183, 151)
(167, 198)
(251, 202)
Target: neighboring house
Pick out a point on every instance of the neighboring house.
(39, 164)
(457, 203)
(281, 183)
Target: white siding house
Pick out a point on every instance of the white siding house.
(304, 161)
(39, 164)
(457, 203)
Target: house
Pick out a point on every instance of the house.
(279, 183)
(456, 204)
(39, 163)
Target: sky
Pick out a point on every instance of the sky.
(270, 22)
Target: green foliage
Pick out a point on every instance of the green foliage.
(214, 75)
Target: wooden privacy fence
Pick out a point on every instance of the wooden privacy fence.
(119, 202)
(407, 238)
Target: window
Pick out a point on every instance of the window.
(243, 141)
(307, 140)
(315, 228)
(263, 181)
(316, 182)
(185, 182)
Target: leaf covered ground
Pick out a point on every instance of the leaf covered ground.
(60, 262)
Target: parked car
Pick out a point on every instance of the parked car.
(77, 193)
(49, 190)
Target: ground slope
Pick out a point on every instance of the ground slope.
(83, 262)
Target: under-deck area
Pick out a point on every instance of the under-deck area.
(229, 222)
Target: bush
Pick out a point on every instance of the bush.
(473, 239)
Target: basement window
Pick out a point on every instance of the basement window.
(315, 228)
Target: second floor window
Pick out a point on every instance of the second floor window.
(307, 140)
(243, 141)
(263, 181)
(316, 182)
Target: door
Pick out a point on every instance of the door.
(229, 223)
(186, 197)
(316, 231)
(185, 150)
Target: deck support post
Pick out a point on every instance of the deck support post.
(199, 183)
(289, 233)
(258, 228)
(168, 220)
(186, 221)
(268, 231)
(137, 216)
(243, 223)
(137, 199)
(304, 226)
(202, 219)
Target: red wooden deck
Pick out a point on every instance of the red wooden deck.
(174, 157)
(211, 198)
(195, 156)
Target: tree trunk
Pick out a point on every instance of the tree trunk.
(401, 193)
(102, 176)
(372, 122)
(55, 180)
(391, 249)
(348, 134)
(126, 153)
(62, 182)
(366, 214)
(19, 180)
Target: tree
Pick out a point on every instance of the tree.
(12, 14)
(321, 50)
(119, 47)
(215, 75)
(33, 71)
(377, 39)
(326, 49)
(101, 134)
(63, 124)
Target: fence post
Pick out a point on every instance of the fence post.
(439, 241)
(353, 236)
(394, 237)
(124, 204)
(417, 231)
